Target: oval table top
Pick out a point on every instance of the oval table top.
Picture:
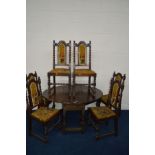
(82, 95)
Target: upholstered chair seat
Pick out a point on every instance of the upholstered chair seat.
(101, 113)
(60, 72)
(45, 114)
(84, 72)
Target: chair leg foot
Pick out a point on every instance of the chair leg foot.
(98, 136)
(41, 138)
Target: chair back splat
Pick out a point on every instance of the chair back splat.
(117, 77)
(34, 92)
(82, 54)
(61, 54)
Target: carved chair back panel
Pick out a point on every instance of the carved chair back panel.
(118, 77)
(34, 93)
(82, 54)
(115, 95)
(61, 53)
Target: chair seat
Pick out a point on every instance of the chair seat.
(60, 72)
(101, 113)
(104, 99)
(84, 72)
(45, 114)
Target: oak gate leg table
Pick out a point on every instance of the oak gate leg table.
(75, 102)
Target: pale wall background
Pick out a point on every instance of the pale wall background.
(104, 22)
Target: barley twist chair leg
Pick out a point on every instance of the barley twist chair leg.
(30, 125)
(70, 91)
(92, 122)
(83, 120)
(98, 103)
(64, 120)
(69, 80)
(45, 133)
(54, 84)
(116, 126)
(89, 83)
(94, 82)
(88, 119)
(53, 106)
(74, 86)
(48, 75)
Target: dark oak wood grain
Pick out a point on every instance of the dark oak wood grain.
(82, 95)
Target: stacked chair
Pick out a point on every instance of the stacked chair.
(37, 107)
(112, 107)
